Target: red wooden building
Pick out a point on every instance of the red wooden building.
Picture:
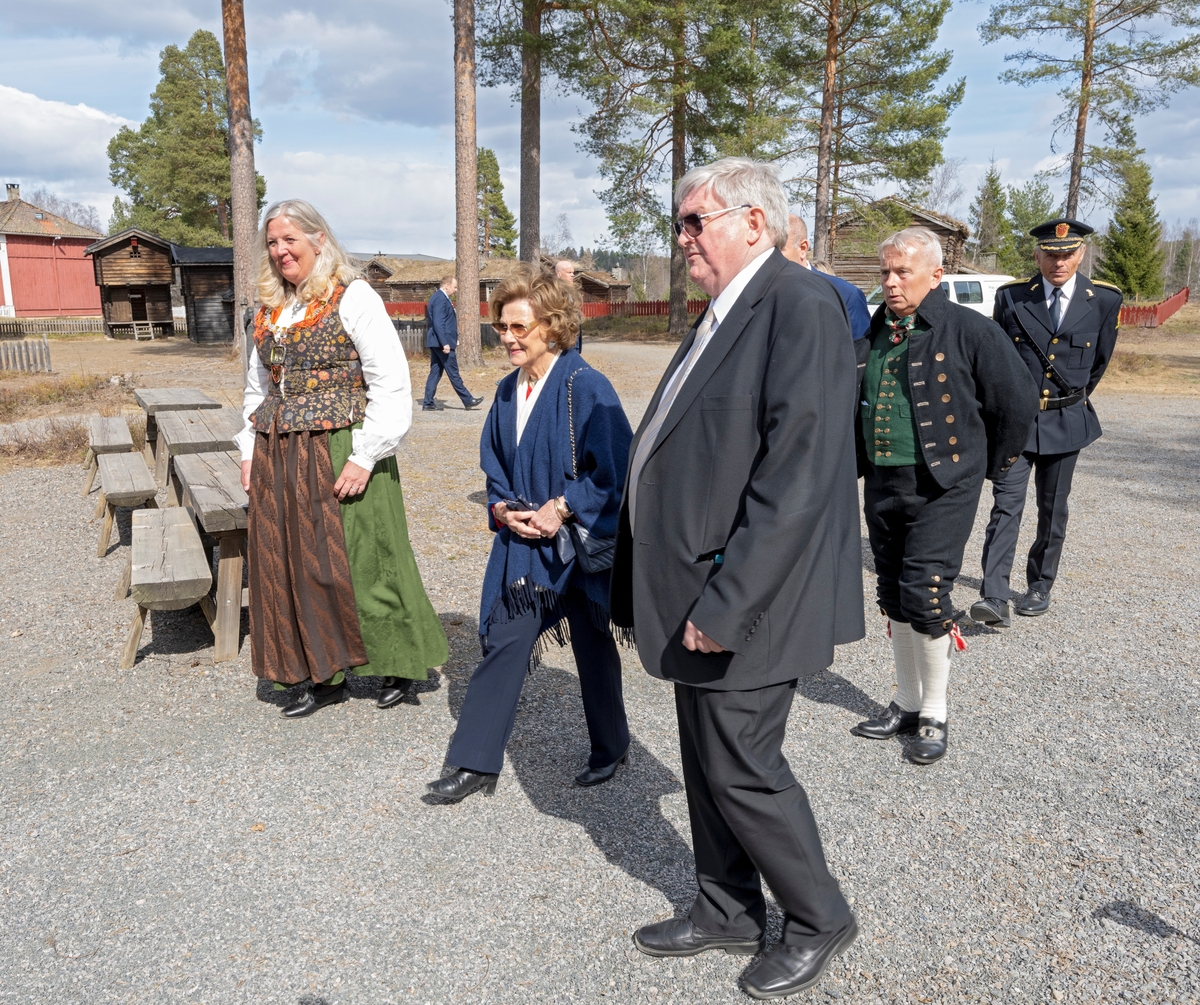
(43, 269)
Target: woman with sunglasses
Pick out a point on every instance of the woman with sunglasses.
(334, 586)
(554, 449)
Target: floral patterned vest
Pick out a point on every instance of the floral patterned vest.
(319, 383)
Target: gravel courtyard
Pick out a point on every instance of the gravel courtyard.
(166, 837)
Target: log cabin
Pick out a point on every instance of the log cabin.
(134, 272)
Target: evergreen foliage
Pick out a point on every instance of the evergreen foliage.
(174, 168)
(990, 227)
(1132, 256)
(1029, 205)
(497, 226)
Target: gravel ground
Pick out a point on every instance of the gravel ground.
(165, 837)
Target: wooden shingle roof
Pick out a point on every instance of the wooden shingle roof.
(20, 217)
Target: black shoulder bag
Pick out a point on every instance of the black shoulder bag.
(593, 553)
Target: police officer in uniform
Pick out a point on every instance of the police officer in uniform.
(1065, 327)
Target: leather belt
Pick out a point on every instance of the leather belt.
(1070, 399)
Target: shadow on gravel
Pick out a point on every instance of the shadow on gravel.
(1126, 912)
(828, 688)
(174, 632)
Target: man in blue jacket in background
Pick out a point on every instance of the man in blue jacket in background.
(855, 300)
(442, 339)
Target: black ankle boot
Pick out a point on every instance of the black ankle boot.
(317, 696)
(392, 691)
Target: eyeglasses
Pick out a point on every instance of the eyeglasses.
(693, 223)
(519, 330)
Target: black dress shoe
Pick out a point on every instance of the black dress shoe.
(991, 611)
(473, 403)
(932, 738)
(317, 696)
(392, 690)
(437, 406)
(788, 969)
(462, 783)
(892, 721)
(594, 776)
(679, 937)
(1034, 602)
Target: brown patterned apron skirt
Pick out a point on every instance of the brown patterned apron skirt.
(303, 619)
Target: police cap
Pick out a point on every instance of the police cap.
(1060, 236)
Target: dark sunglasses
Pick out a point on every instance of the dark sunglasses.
(693, 223)
(519, 330)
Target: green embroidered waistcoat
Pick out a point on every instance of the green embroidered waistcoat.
(889, 425)
(319, 383)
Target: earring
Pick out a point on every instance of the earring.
(551, 345)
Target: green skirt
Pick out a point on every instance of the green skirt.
(400, 629)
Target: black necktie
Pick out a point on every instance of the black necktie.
(1056, 307)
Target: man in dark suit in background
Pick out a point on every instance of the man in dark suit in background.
(1065, 327)
(442, 340)
(739, 568)
(796, 250)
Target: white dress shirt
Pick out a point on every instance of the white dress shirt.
(1068, 290)
(385, 372)
(525, 404)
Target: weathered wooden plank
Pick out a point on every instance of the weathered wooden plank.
(109, 435)
(125, 479)
(134, 638)
(172, 399)
(227, 619)
(197, 432)
(212, 489)
(169, 569)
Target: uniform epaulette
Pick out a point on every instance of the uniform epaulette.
(1013, 282)
(1111, 286)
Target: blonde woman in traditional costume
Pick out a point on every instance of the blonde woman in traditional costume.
(334, 586)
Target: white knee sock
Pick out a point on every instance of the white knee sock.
(932, 657)
(908, 680)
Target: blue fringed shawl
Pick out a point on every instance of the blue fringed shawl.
(530, 574)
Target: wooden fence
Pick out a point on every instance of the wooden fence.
(50, 326)
(1152, 315)
(26, 355)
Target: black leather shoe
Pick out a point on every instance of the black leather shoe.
(991, 611)
(437, 406)
(392, 690)
(317, 696)
(594, 776)
(932, 738)
(679, 937)
(462, 783)
(473, 403)
(788, 969)
(892, 721)
(1034, 602)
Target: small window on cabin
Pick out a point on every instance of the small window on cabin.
(39, 216)
(968, 293)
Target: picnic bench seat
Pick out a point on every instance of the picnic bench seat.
(169, 569)
(124, 481)
(106, 435)
(193, 431)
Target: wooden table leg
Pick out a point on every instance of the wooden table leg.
(92, 466)
(122, 588)
(101, 501)
(162, 463)
(174, 489)
(134, 638)
(149, 447)
(110, 511)
(228, 621)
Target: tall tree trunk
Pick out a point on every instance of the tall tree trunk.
(822, 250)
(531, 132)
(678, 320)
(1081, 118)
(466, 184)
(243, 191)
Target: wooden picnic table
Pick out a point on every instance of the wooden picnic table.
(192, 432)
(167, 399)
(210, 486)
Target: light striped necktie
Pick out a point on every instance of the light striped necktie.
(645, 445)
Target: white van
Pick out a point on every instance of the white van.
(974, 290)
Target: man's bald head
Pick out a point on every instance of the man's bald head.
(796, 248)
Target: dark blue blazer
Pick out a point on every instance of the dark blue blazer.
(442, 324)
(856, 304)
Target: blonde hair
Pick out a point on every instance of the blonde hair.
(333, 267)
(554, 303)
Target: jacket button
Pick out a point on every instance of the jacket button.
(949, 418)
(1088, 344)
(1054, 341)
(945, 397)
(1012, 460)
(1046, 390)
(747, 638)
(888, 454)
(940, 356)
(1051, 356)
(954, 457)
(878, 453)
(937, 610)
(937, 579)
(941, 378)
(1016, 338)
(933, 589)
(953, 440)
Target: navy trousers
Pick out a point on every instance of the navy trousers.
(1052, 474)
(490, 706)
(444, 363)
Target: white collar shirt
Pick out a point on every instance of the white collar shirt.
(1068, 291)
(527, 395)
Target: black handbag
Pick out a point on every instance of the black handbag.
(593, 553)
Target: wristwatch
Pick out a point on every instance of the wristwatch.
(562, 509)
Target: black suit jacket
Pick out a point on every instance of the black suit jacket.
(441, 321)
(754, 463)
(1081, 349)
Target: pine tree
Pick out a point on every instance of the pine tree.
(175, 166)
(497, 227)
(1132, 256)
(989, 223)
(1029, 205)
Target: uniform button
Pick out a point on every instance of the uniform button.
(953, 440)
(883, 394)
(878, 453)
(1046, 392)
(940, 356)
(954, 457)
(1088, 344)
(1047, 374)
(941, 378)
(876, 443)
(945, 397)
(888, 454)
(752, 630)
(933, 589)
(1054, 341)
(949, 418)
(1052, 356)
(888, 430)
(937, 579)
(937, 610)
(891, 394)
(934, 600)
(747, 638)
(1016, 338)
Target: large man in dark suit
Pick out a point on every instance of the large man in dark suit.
(738, 566)
(1065, 327)
(442, 340)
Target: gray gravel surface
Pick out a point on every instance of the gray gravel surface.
(165, 836)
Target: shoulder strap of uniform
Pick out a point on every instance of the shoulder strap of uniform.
(1101, 282)
(1013, 282)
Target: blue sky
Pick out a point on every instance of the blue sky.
(356, 107)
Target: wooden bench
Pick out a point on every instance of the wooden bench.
(124, 481)
(210, 486)
(167, 399)
(193, 431)
(105, 436)
(170, 570)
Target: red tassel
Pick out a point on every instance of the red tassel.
(889, 628)
(956, 634)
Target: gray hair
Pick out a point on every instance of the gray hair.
(333, 267)
(920, 240)
(737, 180)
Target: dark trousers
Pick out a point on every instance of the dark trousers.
(1052, 475)
(750, 818)
(490, 706)
(918, 532)
(444, 363)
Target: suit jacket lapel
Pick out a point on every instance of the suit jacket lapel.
(1035, 307)
(1080, 306)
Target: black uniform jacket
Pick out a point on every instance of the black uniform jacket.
(973, 398)
(755, 464)
(1080, 351)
